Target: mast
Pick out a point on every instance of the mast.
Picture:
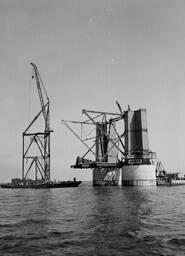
(39, 140)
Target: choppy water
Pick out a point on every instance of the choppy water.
(93, 221)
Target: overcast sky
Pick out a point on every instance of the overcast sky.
(91, 53)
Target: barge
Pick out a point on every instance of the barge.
(18, 183)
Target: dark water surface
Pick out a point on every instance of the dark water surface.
(93, 221)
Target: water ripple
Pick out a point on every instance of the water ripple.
(93, 221)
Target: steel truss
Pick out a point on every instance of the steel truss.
(36, 145)
(101, 144)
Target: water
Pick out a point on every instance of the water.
(89, 221)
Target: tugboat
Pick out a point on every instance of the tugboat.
(36, 148)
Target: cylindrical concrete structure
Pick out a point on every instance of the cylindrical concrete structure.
(136, 175)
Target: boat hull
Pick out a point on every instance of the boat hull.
(62, 184)
(177, 182)
(165, 182)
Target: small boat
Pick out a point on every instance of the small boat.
(163, 182)
(170, 179)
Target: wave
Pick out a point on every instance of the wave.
(177, 241)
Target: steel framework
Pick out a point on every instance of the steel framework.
(102, 145)
(101, 138)
(36, 145)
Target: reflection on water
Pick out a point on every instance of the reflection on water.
(117, 219)
(93, 221)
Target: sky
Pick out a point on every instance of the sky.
(91, 53)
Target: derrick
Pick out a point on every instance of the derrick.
(36, 144)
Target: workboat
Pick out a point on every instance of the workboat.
(170, 179)
(18, 183)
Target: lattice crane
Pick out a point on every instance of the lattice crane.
(40, 140)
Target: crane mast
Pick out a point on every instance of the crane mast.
(39, 158)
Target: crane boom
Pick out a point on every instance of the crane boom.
(120, 108)
(39, 82)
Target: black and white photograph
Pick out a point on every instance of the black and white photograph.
(92, 108)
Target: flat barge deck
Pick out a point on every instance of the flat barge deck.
(59, 184)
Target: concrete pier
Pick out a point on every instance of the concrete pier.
(139, 166)
(136, 175)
